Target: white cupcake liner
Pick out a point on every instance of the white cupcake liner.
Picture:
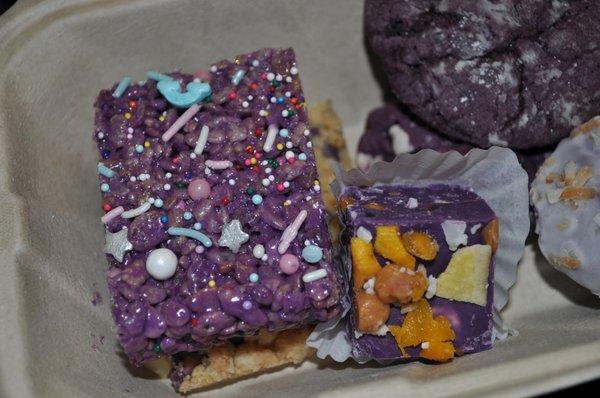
(494, 174)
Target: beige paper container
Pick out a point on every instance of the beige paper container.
(54, 58)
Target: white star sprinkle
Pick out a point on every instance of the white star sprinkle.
(232, 236)
(117, 244)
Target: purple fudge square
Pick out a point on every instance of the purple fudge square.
(472, 323)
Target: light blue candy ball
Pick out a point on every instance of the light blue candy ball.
(197, 226)
(104, 187)
(187, 215)
(253, 277)
(284, 132)
(158, 202)
(302, 156)
(257, 199)
(139, 148)
(312, 254)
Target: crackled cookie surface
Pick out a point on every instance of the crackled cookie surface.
(421, 262)
(511, 73)
(390, 132)
(565, 196)
(214, 220)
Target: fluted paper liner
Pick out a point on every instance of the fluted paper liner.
(494, 174)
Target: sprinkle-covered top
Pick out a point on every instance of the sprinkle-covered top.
(217, 171)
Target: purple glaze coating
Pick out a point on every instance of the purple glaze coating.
(381, 141)
(472, 323)
(185, 313)
(520, 72)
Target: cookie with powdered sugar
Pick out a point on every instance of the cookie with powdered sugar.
(565, 196)
(519, 74)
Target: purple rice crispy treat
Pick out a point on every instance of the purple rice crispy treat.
(459, 276)
(390, 132)
(517, 73)
(202, 219)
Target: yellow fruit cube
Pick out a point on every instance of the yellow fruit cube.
(364, 262)
(466, 277)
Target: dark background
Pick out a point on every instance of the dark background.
(577, 390)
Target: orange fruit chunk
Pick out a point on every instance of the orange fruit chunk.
(415, 325)
(364, 263)
(439, 351)
(420, 244)
(389, 245)
(419, 326)
(440, 330)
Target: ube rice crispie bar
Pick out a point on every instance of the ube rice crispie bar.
(269, 350)
(422, 271)
(215, 226)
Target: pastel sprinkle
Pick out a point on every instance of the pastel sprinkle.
(164, 219)
(253, 277)
(139, 148)
(180, 122)
(201, 143)
(197, 226)
(257, 199)
(105, 171)
(284, 133)
(122, 86)
(291, 232)
(187, 215)
(314, 275)
(272, 131)
(247, 305)
(104, 187)
(258, 251)
(312, 254)
(212, 283)
(137, 211)
(302, 156)
(237, 78)
(158, 202)
(218, 164)
(158, 76)
(195, 92)
(112, 214)
(190, 233)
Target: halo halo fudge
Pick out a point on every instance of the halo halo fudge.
(422, 271)
(565, 197)
(215, 226)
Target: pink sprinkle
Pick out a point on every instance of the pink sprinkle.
(247, 162)
(218, 164)
(113, 272)
(199, 249)
(258, 155)
(291, 231)
(292, 160)
(114, 213)
(280, 187)
(180, 122)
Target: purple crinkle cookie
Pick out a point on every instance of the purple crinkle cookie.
(519, 74)
(234, 192)
(390, 132)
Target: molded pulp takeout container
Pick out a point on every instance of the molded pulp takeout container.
(54, 58)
